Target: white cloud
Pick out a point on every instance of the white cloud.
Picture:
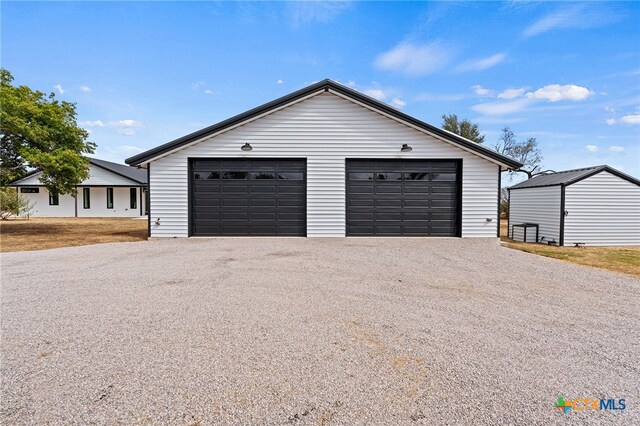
(208, 92)
(501, 108)
(592, 148)
(124, 127)
(398, 103)
(616, 148)
(609, 109)
(198, 85)
(611, 121)
(512, 93)
(376, 94)
(415, 60)
(59, 88)
(481, 91)
(574, 16)
(631, 119)
(482, 63)
(96, 123)
(85, 89)
(556, 92)
(279, 81)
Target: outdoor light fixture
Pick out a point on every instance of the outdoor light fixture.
(406, 148)
(246, 147)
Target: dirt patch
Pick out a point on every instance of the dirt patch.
(46, 233)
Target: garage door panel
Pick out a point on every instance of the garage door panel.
(360, 189)
(286, 189)
(401, 197)
(250, 197)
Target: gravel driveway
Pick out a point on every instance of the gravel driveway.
(313, 331)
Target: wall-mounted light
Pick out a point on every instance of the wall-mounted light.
(246, 147)
(406, 148)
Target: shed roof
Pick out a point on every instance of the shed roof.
(568, 177)
(324, 85)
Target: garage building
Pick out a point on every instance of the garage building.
(324, 161)
(595, 206)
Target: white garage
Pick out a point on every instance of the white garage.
(325, 161)
(594, 206)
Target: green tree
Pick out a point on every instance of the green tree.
(37, 131)
(464, 128)
(13, 204)
(526, 152)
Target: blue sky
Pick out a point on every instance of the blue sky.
(145, 73)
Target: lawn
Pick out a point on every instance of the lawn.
(618, 259)
(21, 234)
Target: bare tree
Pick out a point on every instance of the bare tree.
(526, 152)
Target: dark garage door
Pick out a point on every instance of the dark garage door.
(403, 197)
(238, 197)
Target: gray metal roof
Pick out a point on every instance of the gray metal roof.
(133, 173)
(568, 177)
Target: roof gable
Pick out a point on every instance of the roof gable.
(568, 177)
(101, 173)
(312, 90)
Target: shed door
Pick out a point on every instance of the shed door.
(403, 198)
(242, 197)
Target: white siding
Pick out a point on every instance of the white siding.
(66, 204)
(325, 130)
(537, 205)
(603, 210)
(98, 206)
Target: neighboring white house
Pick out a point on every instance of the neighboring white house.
(112, 190)
(596, 206)
(325, 161)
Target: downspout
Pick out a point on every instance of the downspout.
(149, 198)
(562, 193)
(499, 198)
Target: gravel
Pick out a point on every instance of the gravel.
(312, 331)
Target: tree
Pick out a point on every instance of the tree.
(12, 203)
(526, 152)
(39, 132)
(464, 128)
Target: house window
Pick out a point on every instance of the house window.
(86, 198)
(133, 199)
(109, 198)
(53, 199)
(30, 190)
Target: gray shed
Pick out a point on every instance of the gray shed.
(595, 206)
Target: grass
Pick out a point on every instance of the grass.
(625, 260)
(19, 234)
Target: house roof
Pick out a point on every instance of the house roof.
(135, 174)
(132, 173)
(324, 85)
(568, 177)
